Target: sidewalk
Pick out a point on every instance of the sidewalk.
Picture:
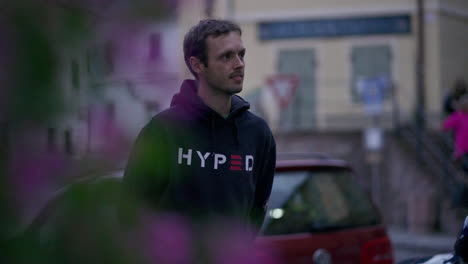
(410, 245)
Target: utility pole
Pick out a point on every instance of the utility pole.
(209, 8)
(420, 68)
(230, 9)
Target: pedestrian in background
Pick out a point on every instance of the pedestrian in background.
(458, 123)
(460, 88)
(207, 157)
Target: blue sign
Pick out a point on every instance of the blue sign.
(320, 28)
(372, 92)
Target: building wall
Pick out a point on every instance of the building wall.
(334, 105)
(446, 36)
(189, 14)
(453, 48)
(317, 7)
(125, 76)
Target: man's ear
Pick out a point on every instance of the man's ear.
(196, 64)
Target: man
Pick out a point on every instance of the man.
(206, 157)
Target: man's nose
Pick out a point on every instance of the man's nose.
(239, 62)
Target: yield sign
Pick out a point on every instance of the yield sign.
(283, 87)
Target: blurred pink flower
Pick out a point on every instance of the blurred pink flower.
(266, 255)
(167, 240)
(230, 243)
(233, 243)
(33, 179)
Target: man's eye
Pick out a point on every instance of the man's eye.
(226, 56)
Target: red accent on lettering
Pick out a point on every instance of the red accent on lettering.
(236, 162)
(238, 157)
(236, 168)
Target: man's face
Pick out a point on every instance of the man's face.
(224, 71)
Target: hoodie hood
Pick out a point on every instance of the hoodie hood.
(188, 99)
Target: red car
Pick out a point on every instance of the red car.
(318, 214)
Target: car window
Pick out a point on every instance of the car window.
(284, 184)
(315, 201)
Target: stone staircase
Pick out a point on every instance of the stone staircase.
(434, 150)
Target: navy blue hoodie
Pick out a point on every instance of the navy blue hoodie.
(190, 160)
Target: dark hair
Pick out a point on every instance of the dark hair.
(460, 87)
(195, 39)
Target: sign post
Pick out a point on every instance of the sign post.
(372, 92)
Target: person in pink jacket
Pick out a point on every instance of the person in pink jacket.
(458, 122)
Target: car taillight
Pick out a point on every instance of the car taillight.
(377, 251)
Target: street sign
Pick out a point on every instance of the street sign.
(373, 138)
(284, 87)
(372, 92)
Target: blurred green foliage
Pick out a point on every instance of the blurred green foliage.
(34, 37)
(33, 96)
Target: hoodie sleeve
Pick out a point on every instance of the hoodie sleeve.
(146, 175)
(264, 183)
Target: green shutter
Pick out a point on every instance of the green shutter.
(300, 113)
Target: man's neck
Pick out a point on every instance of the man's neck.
(219, 102)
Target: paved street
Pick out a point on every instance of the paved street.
(408, 245)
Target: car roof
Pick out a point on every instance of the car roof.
(307, 161)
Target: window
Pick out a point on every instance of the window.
(154, 47)
(51, 139)
(100, 60)
(89, 61)
(68, 142)
(109, 53)
(75, 75)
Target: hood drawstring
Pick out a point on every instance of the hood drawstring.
(213, 134)
(236, 132)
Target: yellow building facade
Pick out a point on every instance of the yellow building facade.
(355, 59)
